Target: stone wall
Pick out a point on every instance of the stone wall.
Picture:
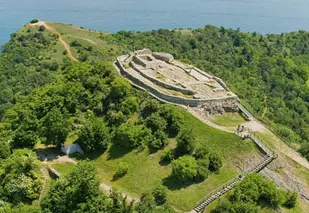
(169, 98)
(163, 56)
(143, 52)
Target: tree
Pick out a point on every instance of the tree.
(5, 149)
(215, 162)
(173, 117)
(129, 105)
(185, 142)
(20, 177)
(94, 135)
(24, 138)
(159, 140)
(119, 88)
(155, 122)
(245, 208)
(159, 194)
(184, 168)
(34, 21)
(148, 107)
(132, 136)
(147, 204)
(224, 206)
(77, 192)
(55, 127)
(202, 169)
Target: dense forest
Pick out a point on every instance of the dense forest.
(44, 98)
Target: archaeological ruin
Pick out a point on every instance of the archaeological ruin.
(173, 81)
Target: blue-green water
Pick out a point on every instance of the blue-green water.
(263, 16)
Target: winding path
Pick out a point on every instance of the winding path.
(53, 30)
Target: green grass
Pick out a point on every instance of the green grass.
(63, 168)
(145, 171)
(229, 119)
(101, 50)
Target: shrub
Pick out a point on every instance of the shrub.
(174, 119)
(159, 141)
(155, 122)
(201, 152)
(290, 199)
(33, 21)
(149, 106)
(5, 149)
(215, 162)
(75, 43)
(122, 170)
(115, 118)
(42, 28)
(159, 194)
(202, 169)
(168, 155)
(24, 139)
(129, 105)
(185, 143)
(184, 168)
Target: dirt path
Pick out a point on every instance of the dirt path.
(53, 30)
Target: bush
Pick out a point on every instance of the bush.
(75, 43)
(129, 105)
(290, 199)
(42, 28)
(159, 194)
(168, 155)
(159, 141)
(185, 143)
(184, 168)
(122, 170)
(201, 152)
(155, 122)
(149, 106)
(173, 117)
(215, 162)
(24, 139)
(115, 118)
(202, 169)
(33, 21)
(5, 149)
(304, 150)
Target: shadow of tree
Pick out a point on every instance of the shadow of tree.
(116, 151)
(173, 184)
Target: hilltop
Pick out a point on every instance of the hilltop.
(59, 74)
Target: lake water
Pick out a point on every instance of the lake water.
(263, 16)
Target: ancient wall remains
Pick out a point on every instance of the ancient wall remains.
(169, 98)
